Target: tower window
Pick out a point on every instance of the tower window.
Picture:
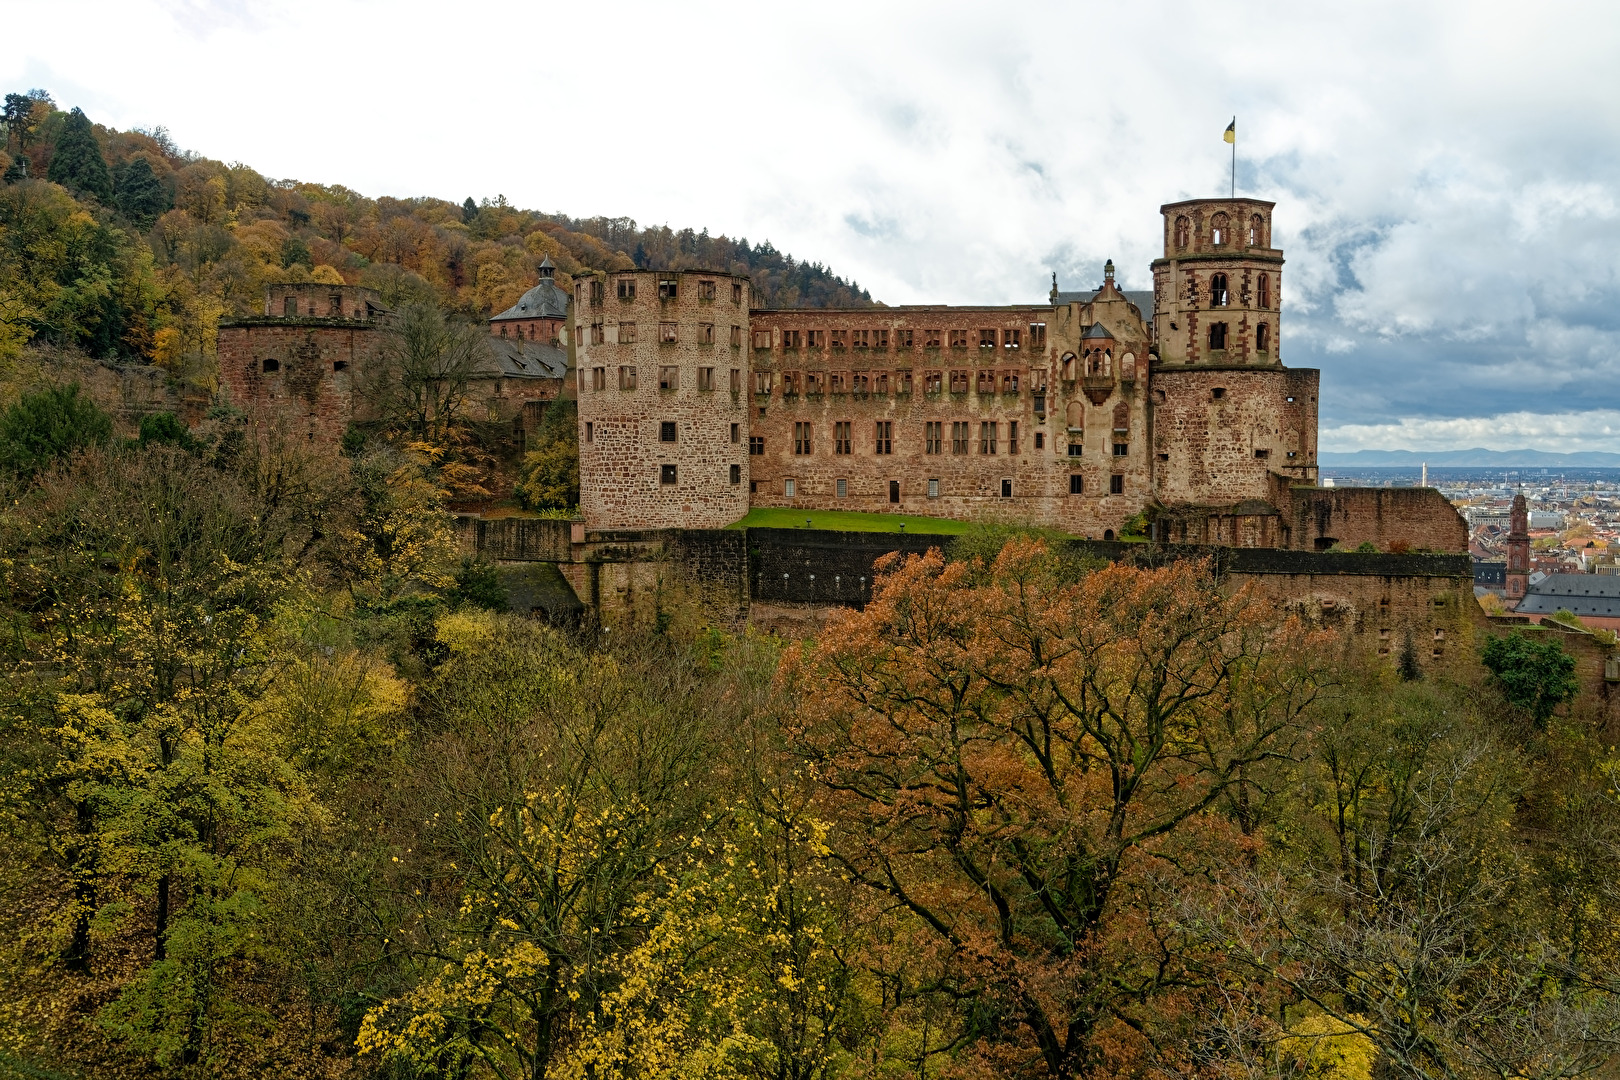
(1006, 488)
(736, 337)
(736, 293)
(801, 438)
(842, 443)
(1262, 337)
(1217, 230)
(666, 332)
(842, 489)
(627, 288)
(736, 433)
(1218, 295)
(668, 288)
(705, 290)
(736, 474)
(1217, 336)
(627, 377)
(933, 437)
(705, 378)
(627, 332)
(1077, 483)
(987, 436)
(1263, 288)
(1116, 485)
(959, 436)
(669, 378)
(756, 446)
(271, 365)
(340, 365)
(789, 488)
(933, 488)
(666, 431)
(666, 474)
(1257, 231)
(590, 431)
(884, 436)
(1183, 231)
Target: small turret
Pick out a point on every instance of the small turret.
(1518, 550)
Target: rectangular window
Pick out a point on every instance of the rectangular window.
(667, 288)
(598, 333)
(599, 378)
(933, 489)
(590, 431)
(736, 380)
(801, 438)
(931, 339)
(903, 339)
(1006, 487)
(880, 383)
(861, 383)
(959, 382)
(736, 433)
(987, 339)
(666, 474)
(959, 339)
(705, 290)
(815, 382)
(669, 378)
(627, 333)
(1009, 382)
(756, 446)
(934, 437)
(987, 436)
(627, 378)
(1037, 335)
(598, 291)
(762, 339)
(880, 338)
(666, 332)
(762, 383)
(1077, 485)
(1121, 449)
(959, 436)
(863, 339)
(705, 333)
(987, 382)
(933, 382)
(627, 288)
(736, 337)
(1010, 339)
(842, 443)
(1074, 447)
(736, 292)
(902, 381)
(666, 431)
(789, 488)
(840, 382)
(815, 339)
(840, 339)
(884, 435)
(1040, 440)
(1116, 485)
(705, 378)
(736, 474)
(792, 339)
(1012, 436)
(843, 489)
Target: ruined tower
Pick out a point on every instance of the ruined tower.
(663, 407)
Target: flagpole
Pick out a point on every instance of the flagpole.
(1234, 157)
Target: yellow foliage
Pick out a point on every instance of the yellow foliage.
(326, 275)
(1324, 1048)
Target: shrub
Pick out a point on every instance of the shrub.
(47, 426)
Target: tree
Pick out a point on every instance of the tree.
(166, 429)
(77, 164)
(1536, 676)
(469, 210)
(138, 193)
(43, 428)
(549, 478)
(1013, 762)
(420, 386)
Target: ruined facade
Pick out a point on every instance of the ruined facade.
(1091, 412)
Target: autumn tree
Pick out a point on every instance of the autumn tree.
(1534, 675)
(1010, 762)
(138, 193)
(421, 386)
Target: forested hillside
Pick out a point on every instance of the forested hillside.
(133, 248)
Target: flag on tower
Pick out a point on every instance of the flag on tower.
(1231, 131)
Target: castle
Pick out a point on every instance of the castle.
(1099, 413)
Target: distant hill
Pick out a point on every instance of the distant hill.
(1477, 458)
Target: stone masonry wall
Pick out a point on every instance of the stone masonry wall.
(312, 384)
(1421, 518)
(1220, 434)
(623, 483)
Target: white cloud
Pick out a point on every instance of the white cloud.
(1592, 430)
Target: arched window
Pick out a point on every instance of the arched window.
(1068, 366)
(1217, 230)
(1262, 338)
(1077, 416)
(1217, 336)
(1127, 367)
(1265, 290)
(1257, 231)
(1183, 231)
(1218, 295)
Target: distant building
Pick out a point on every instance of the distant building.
(1518, 549)
(1593, 598)
(1490, 574)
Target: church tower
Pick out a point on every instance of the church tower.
(1518, 550)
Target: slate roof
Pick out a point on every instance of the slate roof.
(1097, 330)
(1142, 300)
(511, 358)
(544, 301)
(1582, 594)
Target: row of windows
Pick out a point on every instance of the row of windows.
(1218, 335)
(1219, 293)
(960, 381)
(1221, 231)
(669, 474)
(669, 288)
(884, 338)
(668, 333)
(669, 432)
(961, 441)
(669, 378)
(1077, 486)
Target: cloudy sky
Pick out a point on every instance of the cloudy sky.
(1447, 176)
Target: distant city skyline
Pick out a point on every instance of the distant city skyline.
(1445, 174)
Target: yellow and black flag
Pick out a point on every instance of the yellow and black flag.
(1230, 135)
(1231, 131)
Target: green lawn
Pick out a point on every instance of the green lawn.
(764, 517)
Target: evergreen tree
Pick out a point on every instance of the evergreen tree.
(469, 210)
(138, 193)
(51, 424)
(78, 164)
